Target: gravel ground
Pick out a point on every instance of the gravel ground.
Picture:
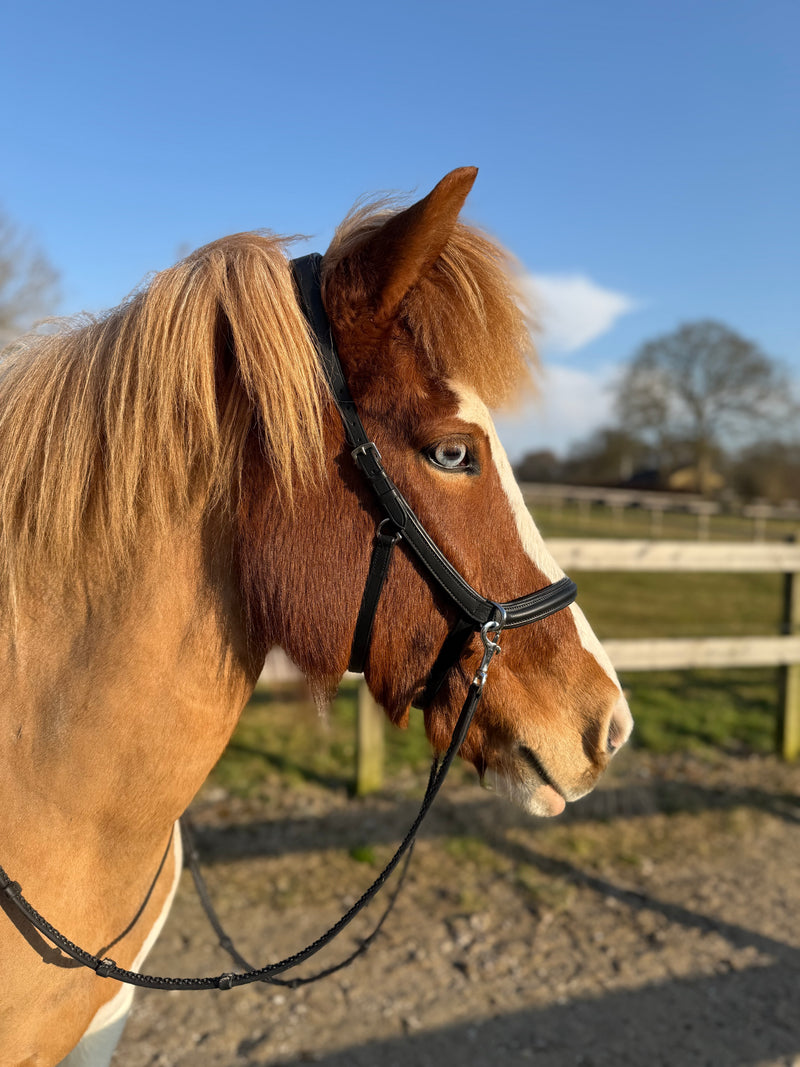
(655, 923)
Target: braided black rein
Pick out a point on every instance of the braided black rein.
(107, 968)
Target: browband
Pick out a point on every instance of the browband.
(473, 608)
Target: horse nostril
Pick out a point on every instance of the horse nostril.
(619, 726)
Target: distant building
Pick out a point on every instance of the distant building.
(692, 479)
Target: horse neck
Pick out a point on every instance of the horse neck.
(118, 702)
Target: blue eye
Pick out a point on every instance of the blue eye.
(451, 455)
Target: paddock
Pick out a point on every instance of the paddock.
(655, 924)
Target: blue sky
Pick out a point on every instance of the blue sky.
(639, 158)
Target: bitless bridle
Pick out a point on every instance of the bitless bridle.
(474, 613)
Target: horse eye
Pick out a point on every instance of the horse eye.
(451, 455)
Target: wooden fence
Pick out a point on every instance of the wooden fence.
(649, 654)
(657, 504)
(681, 653)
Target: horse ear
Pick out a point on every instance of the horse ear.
(398, 254)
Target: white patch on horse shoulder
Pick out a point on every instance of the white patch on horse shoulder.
(97, 1049)
(158, 925)
(472, 409)
(97, 1045)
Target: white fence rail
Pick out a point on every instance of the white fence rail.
(599, 554)
(691, 653)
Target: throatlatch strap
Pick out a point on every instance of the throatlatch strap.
(385, 540)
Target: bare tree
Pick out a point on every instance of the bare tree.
(706, 386)
(28, 282)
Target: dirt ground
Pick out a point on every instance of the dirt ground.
(656, 923)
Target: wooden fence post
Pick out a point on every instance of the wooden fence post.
(370, 743)
(789, 722)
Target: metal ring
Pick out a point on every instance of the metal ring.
(397, 534)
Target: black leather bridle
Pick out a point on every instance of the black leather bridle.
(475, 613)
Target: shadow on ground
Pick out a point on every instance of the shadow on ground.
(675, 1024)
(739, 1016)
(341, 828)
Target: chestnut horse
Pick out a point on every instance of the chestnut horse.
(176, 498)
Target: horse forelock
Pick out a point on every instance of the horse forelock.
(146, 410)
(467, 317)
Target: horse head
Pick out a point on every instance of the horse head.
(428, 329)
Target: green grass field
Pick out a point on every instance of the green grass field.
(734, 709)
(289, 736)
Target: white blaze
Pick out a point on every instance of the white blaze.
(472, 409)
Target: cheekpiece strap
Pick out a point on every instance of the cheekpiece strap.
(472, 607)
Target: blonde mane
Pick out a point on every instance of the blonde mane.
(135, 415)
(126, 416)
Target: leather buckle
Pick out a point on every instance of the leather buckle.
(368, 460)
